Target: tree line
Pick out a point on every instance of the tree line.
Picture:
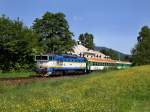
(19, 44)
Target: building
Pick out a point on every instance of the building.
(82, 51)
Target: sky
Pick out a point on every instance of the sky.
(114, 23)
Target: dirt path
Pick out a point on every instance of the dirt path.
(22, 80)
(28, 80)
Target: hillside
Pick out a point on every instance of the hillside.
(120, 54)
(117, 91)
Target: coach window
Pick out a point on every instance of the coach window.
(103, 64)
(91, 63)
(97, 63)
(50, 58)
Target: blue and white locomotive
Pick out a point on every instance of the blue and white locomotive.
(59, 64)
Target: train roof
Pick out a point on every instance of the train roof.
(108, 60)
(63, 55)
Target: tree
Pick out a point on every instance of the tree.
(141, 51)
(18, 45)
(87, 40)
(111, 53)
(54, 32)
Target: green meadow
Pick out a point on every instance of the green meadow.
(114, 91)
(16, 74)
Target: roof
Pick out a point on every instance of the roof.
(80, 49)
(101, 60)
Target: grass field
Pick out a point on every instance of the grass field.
(16, 74)
(116, 91)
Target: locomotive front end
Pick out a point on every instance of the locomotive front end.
(44, 64)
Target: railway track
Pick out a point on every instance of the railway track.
(38, 77)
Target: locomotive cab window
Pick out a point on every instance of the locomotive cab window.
(41, 58)
(38, 58)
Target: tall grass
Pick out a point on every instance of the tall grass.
(116, 91)
(16, 74)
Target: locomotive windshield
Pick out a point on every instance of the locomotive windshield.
(44, 58)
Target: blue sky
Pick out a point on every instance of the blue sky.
(114, 23)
